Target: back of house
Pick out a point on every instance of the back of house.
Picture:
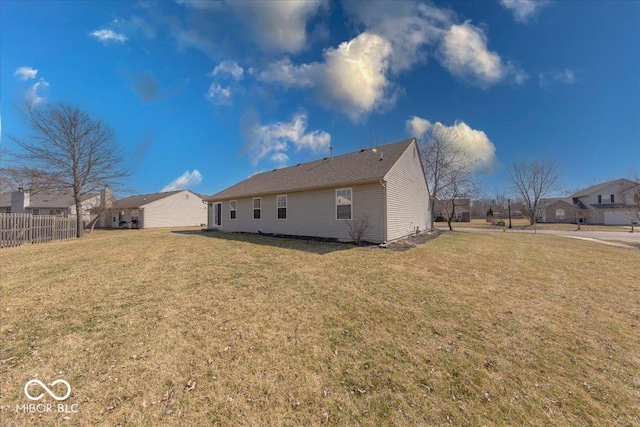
(377, 195)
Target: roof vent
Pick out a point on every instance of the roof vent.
(362, 150)
(381, 156)
(325, 158)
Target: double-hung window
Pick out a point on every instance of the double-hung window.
(232, 209)
(343, 203)
(281, 202)
(257, 203)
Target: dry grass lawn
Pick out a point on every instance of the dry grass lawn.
(156, 327)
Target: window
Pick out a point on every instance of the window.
(599, 198)
(560, 214)
(35, 211)
(232, 209)
(281, 202)
(55, 212)
(256, 208)
(612, 199)
(343, 203)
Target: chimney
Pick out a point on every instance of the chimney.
(106, 198)
(20, 200)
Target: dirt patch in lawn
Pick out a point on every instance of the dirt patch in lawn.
(413, 241)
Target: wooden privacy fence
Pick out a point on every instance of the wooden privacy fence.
(17, 229)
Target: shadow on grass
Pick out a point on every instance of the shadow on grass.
(311, 245)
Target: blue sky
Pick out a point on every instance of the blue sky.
(203, 94)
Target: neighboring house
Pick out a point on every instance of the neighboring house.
(47, 203)
(461, 213)
(179, 208)
(561, 210)
(384, 188)
(608, 203)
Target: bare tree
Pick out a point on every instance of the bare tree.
(13, 178)
(69, 150)
(533, 181)
(451, 173)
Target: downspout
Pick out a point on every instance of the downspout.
(384, 213)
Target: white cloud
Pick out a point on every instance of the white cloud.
(228, 68)
(184, 181)
(475, 143)
(524, 9)
(33, 96)
(274, 139)
(417, 126)
(548, 78)
(352, 78)
(355, 75)
(288, 74)
(465, 54)
(106, 36)
(25, 73)
(218, 94)
(410, 27)
(278, 26)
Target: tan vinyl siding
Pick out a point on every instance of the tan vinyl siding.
(310, 213)
(176, 210)
(407, 196)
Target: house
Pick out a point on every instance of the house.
(461, 213)
(179, 208)
(609, 203)
(381, 191)
(47, 203)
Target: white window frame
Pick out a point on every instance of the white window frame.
(562, 217)
(279, 207)
(233, 207)
(259, 199)
(351, 204)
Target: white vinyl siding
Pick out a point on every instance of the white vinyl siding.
(313, 213)
(175, 210)
(407, 197)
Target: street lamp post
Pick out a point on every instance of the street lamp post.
(509, 203)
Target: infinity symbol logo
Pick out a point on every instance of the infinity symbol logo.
(52, 394)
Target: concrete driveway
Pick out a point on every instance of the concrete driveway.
(620, 236)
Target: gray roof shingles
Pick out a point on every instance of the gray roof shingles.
(358, 167)
(139, 200)
(47, 200)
